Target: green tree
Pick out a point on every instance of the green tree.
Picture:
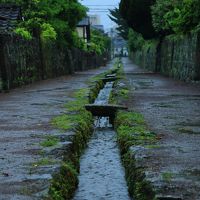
(100, 43)
(159, 10)
(50, 19)
(137, 14)
(122, 28)
(176, 16)
(135, 40)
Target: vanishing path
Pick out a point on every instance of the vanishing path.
(25, 115)
(171, 109)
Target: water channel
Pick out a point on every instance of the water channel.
(102, 175)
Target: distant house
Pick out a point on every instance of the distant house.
(9, 15)
(96, 23)
(98, 28)
(95, 20)
(83, 29)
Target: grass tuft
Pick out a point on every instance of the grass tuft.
(167, 176)
(50, 141)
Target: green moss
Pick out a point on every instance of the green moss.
(63, 122)
(80, 99)
(41, 152)
(76, 114)
(68, 176)
(119, 94)
(132, 130)
(124, 92)
(80, 121)
(167, 176)
(43, 162)
(50, 141)
(138, 187)
(96, 78)
(153, 146)
(129, 118)
(143, 191)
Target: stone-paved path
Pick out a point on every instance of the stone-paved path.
(25, 115)
(171, 109)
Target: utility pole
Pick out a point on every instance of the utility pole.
(112, 44)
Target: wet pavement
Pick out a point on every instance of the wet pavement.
(171, 109)
(102, 176)
(25, 121)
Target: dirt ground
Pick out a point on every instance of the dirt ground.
(25, 116)
(172, 110)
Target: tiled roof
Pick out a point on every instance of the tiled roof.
(9, 14)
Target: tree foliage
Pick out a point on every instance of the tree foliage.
(50, 18)
(24, 33)
(135, 40)
(158, 18)
(100, 43)
(137, 14)
(122, 28)
(176, 16)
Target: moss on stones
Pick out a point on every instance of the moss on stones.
(50, 141)
(64, 183)
(132, 131)
(79, 120)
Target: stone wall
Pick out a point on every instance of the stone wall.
(178, 58)
(19, 61)
(23, 62)
(146, 57)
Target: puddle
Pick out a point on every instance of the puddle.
(102, 176)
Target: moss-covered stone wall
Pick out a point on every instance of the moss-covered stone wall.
(175, 57)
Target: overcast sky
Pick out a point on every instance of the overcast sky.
(101, 7)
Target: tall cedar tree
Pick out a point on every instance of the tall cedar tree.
(122, 28)
(137, 14)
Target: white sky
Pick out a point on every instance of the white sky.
(100, 7)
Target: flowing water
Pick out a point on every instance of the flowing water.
(101, 172)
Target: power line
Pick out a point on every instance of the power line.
(99, 11)
(100, 8)
(104, 9)
(94, 12)
(100, 5)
